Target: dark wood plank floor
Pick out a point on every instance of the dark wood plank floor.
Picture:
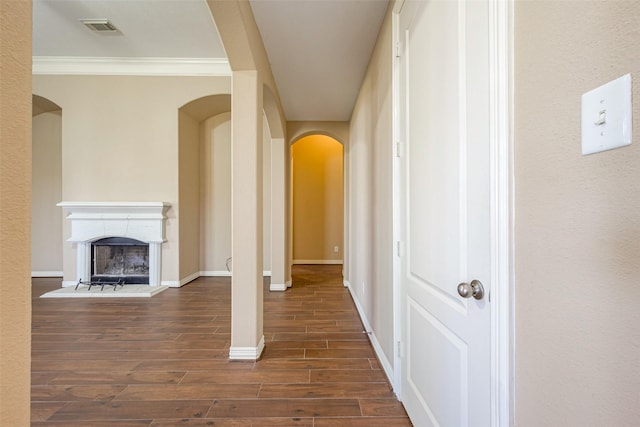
(162, 361)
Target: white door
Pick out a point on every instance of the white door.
(444, 196)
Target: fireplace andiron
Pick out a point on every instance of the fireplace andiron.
(101, 284)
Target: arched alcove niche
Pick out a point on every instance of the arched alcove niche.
(46, 188)
(205, 187)
(317, 200)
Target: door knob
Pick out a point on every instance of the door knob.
(473, 289)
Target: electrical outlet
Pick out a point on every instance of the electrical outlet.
(336, 249)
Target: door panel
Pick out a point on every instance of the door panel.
(425, 333)
(445, 206)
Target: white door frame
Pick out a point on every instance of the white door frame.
(501, 158)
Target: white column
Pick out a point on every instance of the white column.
(247, 340)
(83, 268)
(155, 263)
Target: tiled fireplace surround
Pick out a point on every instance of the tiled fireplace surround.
(91, 221)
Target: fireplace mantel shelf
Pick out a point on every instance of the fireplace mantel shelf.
(116, 210)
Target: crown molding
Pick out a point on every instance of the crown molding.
(75, 65)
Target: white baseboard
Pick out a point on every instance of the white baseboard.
(189, 278)
(278, 287)
(386, 365)
(317, 261)
(247, 353)
(288, 284)
(68, 283)
(181, 282)
(225, 273)
(171, 283)
(46, 274)
(216, 273)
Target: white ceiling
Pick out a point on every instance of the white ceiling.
(148, 28)
(318, 49)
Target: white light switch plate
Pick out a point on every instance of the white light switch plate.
(606, 116)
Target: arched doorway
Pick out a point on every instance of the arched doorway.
(317, 200)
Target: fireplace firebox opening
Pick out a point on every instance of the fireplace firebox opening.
(120, 259)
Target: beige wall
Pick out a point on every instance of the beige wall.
(368, 157)
(577, 220)
(46, 217)
(317, 200)
(216, 193)
(130, 126)
(266, 196)
(15, 208)
(189, 195)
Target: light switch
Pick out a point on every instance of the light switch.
(607, 117)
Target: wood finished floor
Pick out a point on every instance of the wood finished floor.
(162, 361)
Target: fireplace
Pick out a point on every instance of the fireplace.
(117, 240)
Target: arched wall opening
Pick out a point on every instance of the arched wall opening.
(317, 200)
(46, 192)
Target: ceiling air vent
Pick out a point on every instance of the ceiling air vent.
(100, 25)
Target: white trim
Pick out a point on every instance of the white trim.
(318, 261)
(69, 283)
(396, 217)
(288, 284)
(502, 232)
(46, 274)
(382, 357)
(74, 65)
(225, 273)
(171, 283)
(216, 273)
(247, 353)
(189, 278)
(278, 287)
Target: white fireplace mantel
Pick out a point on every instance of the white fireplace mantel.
(143, 221)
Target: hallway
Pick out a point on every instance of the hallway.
(163, 361)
